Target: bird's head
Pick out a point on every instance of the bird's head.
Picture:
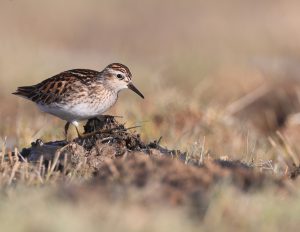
(117, 77)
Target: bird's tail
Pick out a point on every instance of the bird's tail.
(24, 91)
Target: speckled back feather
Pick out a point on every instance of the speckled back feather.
(56, 88)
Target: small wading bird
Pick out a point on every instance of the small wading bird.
(80, 94)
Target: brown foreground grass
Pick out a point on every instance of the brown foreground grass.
(115, 181)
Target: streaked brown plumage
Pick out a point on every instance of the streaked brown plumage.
(79, 94)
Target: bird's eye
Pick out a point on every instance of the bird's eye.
(120, 76)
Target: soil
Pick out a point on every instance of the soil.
(103, 137)
(117, 159)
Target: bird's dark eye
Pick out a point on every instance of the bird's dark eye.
(120, 76)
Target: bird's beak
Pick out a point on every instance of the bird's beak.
(134, 89)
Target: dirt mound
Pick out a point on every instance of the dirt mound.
(102, 138)
(115, 157)
(160, 180)
(140, 170)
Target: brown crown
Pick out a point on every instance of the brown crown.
(120, 67)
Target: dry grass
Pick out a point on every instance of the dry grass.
(192, 61)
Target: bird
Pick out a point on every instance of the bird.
(79, 94)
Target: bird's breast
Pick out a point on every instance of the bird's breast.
(102, 102)
(82, 108)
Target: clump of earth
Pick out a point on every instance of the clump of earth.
(116, 158)
(103, 138)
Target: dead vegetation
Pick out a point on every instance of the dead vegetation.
(110, 156)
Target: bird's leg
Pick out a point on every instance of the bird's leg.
(66, 129)
(75, 123)
(78, 134)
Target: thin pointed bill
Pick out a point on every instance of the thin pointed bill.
(134, 89)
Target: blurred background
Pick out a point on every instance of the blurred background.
(220, 79)
(202, 65)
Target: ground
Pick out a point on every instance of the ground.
(110, 169)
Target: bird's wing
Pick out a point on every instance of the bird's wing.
(56, 88)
